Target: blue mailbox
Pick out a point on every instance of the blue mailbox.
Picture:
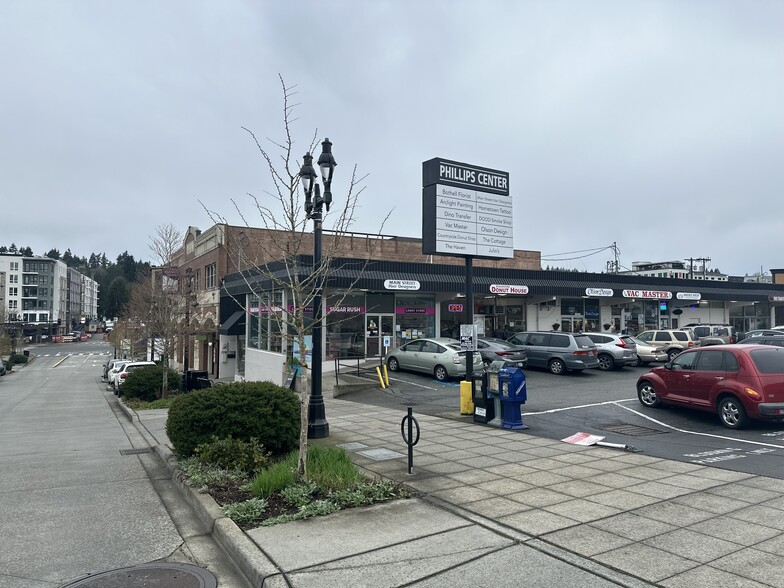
(513, 394)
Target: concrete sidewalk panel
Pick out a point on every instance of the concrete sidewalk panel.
(301, 544)
(401, 563)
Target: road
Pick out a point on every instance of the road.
(605, 404)
(72, 503)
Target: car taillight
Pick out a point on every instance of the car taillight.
(455, 359)
(123, 376)
(691, 344)
(622, 344)
(504, 353)
(583, 352)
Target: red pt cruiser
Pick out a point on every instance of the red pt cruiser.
(738, 382)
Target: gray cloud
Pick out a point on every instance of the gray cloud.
(656, 125)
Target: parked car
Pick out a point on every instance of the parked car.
(110, 363)
(126, 369)
(440, 356)
(705, 334)
(116, 367)
(556, 351)
(738, 382)
(2, 367)
(615, 351)
(672, 341)
(763, 333)
(492, 349)
(777, 340)
(647, 353)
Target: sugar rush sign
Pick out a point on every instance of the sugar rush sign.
(466, 210)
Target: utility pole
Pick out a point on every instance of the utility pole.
(614, 266)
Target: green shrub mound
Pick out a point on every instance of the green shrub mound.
(240, 410)
(248, 457)
(147, 383)
(18, 358)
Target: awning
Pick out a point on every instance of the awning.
(235, 325)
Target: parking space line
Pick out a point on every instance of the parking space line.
(552, 410)
(697, 433)
(412, 383)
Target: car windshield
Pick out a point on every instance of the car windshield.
(768, 361)
(639, 342)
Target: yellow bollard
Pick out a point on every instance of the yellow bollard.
(386, 375)
(380, 377)
(466, 400)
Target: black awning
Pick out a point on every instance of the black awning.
(235, 325)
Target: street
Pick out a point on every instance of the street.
(605, 403)
(73, 504)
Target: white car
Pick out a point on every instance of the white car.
(112, 373)
(127, 369)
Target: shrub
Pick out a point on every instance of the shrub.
(18, 358)
(240, 410)
(234, 454)
(147, 383)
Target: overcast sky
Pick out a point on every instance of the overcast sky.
(655, 125)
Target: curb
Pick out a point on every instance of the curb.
(244, 552)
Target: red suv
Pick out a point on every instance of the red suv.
(736, 381)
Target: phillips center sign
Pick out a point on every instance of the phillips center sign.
(466, 210)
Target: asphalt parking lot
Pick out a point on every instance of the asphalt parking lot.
(604, 404)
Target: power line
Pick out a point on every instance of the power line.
(554, 256)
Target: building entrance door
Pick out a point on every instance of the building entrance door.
(572, 324)
(378, 326)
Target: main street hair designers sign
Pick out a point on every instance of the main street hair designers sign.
(466, 210)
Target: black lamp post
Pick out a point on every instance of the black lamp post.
(318, 427)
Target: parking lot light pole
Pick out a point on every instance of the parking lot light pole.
(318, 427)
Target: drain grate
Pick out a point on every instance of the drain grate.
(629, 429)
(135, 451)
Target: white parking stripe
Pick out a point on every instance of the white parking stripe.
(552, 410)
(700, 434)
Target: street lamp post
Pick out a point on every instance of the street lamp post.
(318, 427)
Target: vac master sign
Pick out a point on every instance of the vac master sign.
(466, 210)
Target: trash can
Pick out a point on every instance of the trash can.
(196, 380)
(512, 394)
(26, 353)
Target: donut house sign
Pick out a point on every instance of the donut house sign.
(508, 289)
(649, 294)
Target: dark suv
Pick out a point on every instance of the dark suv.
(558, 352)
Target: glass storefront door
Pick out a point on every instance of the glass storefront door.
(378, 326)
(571, 324)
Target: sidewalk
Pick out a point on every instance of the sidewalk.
(505, 508)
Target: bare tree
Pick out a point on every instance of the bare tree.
(275, 261)
(156, 306)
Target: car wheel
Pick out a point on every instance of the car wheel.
(672, 353)
(556, 366)
(393, 364)
(647, 396)
(606, 362)
(732, 413)
(441, 373)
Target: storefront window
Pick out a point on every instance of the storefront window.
(345, 325)
(453, 314)
(415, 317)
(265, 321)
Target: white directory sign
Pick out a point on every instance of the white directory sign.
(467, 210)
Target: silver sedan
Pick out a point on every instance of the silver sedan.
(440, 356)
